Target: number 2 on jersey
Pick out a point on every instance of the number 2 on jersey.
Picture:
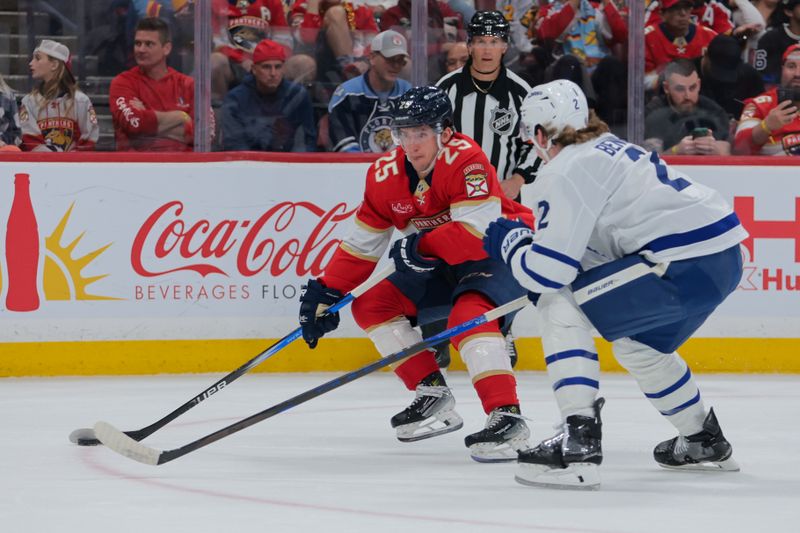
(634, 154)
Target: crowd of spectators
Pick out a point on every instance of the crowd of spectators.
(320, 75)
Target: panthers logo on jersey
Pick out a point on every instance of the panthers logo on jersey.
(376, 135)
(58, 139)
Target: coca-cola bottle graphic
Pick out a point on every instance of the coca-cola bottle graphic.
(22, 249)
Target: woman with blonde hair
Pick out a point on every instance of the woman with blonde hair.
(9, 117)
(56, 116)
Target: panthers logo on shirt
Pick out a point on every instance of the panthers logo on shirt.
(58, 134)
(376, 135)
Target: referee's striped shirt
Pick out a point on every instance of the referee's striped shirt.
(492, 119)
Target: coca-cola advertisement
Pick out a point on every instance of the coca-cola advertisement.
(211, 250)
(218, 249)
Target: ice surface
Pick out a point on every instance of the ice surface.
(333, 464)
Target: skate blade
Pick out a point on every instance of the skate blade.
(577, 476)
(492, 452)
(728, 465)
(450, 421)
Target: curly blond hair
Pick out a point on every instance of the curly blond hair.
(569, 135)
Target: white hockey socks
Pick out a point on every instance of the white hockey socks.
(667, 381)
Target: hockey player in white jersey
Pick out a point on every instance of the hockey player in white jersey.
(627, 245)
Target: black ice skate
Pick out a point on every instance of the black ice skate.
(568, 460)
(430, 414)
(505, 434)
(706, 450)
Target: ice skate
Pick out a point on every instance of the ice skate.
(706, 450)
(430, 414)
(568, 460)
(505, 434)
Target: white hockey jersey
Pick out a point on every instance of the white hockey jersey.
(607, 198)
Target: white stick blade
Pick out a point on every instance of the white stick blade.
(124, 445)
(81, 434)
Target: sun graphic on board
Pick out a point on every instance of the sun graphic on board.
(63, 278)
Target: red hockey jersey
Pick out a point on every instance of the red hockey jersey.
(455, 205)
(661, 48)
(239, 26)
(711, 14)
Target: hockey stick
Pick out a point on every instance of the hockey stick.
(124, 445)
(87, 437)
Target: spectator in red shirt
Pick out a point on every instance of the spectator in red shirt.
(770, 122)
(152, 105)
(710, 13)
(677, 37)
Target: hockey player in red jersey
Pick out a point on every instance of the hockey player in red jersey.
(439, 190)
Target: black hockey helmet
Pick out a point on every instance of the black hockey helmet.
(421, 106)
(491, 23)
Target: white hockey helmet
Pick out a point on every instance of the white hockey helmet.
(553, 105)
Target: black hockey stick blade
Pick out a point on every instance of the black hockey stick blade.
(130, 448)
(88, 437)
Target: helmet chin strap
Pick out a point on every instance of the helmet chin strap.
(543, 151)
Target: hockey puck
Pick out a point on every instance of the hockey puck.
(83, 437)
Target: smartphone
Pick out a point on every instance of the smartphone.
(785, 93)
(700, 132)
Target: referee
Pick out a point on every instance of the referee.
(486, 98)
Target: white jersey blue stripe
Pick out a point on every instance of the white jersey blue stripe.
(605, 199)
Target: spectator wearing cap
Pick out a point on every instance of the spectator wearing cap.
(267, 112)
(770, 122)
(710, 13)
(237, 29)
(152, 105)
(727, 79)
(444, 26)
(683, 122)
(773, 43)
(360, 110)
(56, 116)
(676, 37)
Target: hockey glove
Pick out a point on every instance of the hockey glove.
(315, 298)
(407, 259)
(504, 237)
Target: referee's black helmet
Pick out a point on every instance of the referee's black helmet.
(420, 106)
(491, 23)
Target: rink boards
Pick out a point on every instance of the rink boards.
(194, 264)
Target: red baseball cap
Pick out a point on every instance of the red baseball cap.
(269, 51)
(793, 49)
(667, 4)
